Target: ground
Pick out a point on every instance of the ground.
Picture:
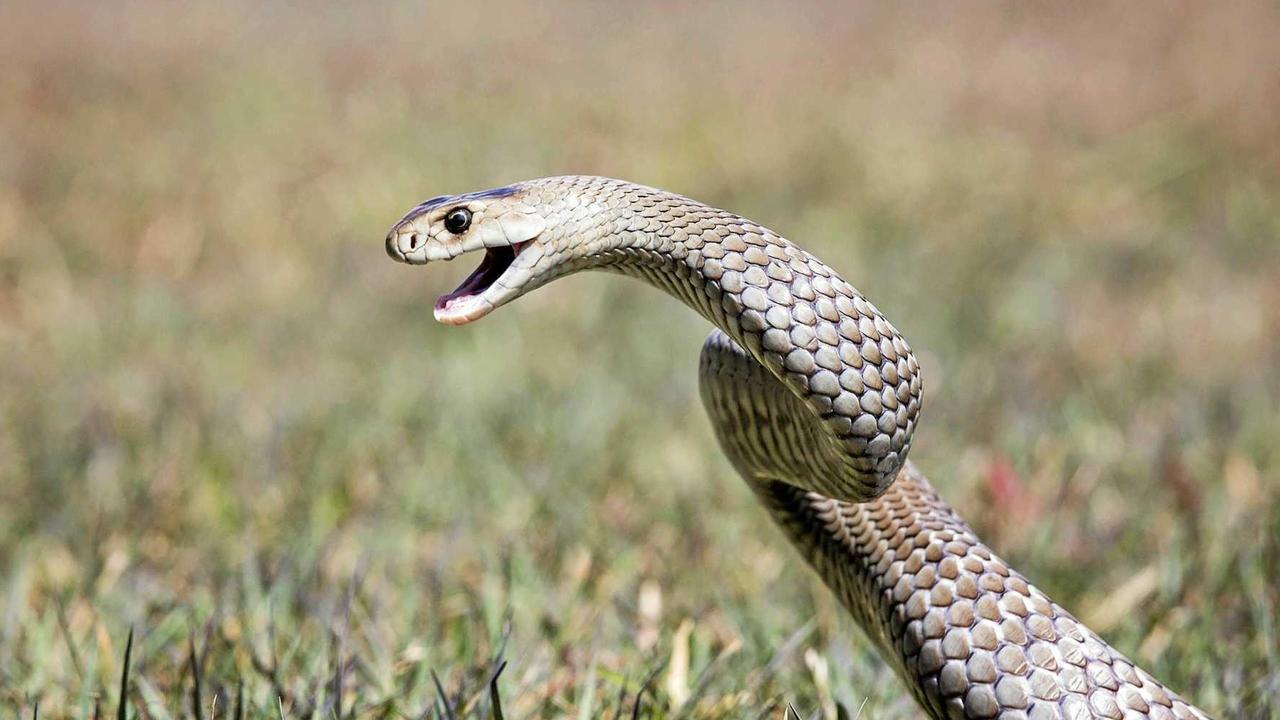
(228, 423)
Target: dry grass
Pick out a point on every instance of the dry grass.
(226, 419)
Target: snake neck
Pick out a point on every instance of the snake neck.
(809, 328)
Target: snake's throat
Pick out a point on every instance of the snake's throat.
(467, 302)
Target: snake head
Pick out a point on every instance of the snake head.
(499, 221)
(531, 233)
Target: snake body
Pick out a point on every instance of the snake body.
(814, 397)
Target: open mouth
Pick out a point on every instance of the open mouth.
(466, 302)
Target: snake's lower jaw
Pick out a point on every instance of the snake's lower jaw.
(494, 282)
(462, 311)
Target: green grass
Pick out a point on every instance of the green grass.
(228, 423)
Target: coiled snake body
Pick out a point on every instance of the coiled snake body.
(814, 397)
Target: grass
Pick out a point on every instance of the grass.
(242, 472)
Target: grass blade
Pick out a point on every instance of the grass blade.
(494, 700)
(122, 712)
(444, 699)
(197, 704)
(635, 711)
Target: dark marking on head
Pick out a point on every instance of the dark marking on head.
(442, 200)
(492, 193)
(433, 203)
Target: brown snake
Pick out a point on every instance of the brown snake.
(814, 397)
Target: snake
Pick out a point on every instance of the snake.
(814, 397)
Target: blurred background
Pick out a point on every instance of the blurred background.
(228, 422)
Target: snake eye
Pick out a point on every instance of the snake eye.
(457, 221)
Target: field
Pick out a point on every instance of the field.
(229, 425)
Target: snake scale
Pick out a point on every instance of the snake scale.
(814, 397)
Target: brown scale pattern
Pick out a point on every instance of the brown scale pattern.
(969, 636)
(815, 396)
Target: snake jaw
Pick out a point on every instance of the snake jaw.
(484, 289)
(496, 226)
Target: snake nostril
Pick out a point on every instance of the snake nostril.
(413, 242)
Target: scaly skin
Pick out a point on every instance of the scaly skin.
(814, 397)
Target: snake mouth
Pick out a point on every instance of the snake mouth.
(468, 301)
